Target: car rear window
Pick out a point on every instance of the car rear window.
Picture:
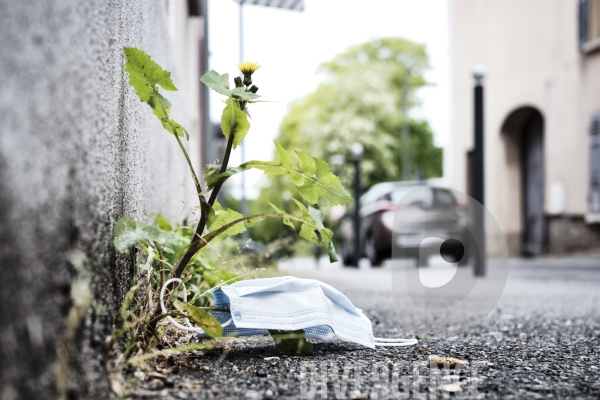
(444, 197)
(397, 194)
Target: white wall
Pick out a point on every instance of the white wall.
(529, 48)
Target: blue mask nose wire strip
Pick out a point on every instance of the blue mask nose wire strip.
(189, 326)
(379, 342)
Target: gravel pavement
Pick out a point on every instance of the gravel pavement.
(541, 341)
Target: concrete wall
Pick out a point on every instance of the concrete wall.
(77, 151)
(530, 52)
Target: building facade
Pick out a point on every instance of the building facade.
(542, 117)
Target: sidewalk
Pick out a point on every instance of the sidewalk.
(541, 341)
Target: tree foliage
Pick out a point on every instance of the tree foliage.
(361, 101)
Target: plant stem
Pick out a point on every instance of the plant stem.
(155, 320)
(198, 245)
(187, 157)
(202, 223)
(187, 256)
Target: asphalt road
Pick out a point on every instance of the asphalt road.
(541, 340)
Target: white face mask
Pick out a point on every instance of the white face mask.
(289, 303)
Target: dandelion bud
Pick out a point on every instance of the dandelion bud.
(238, 81)
(254, 89)
(248, 68)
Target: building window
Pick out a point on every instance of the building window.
(594, 194)
(589, 24)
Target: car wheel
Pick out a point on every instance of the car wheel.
(371, 251)
(348, 257)
(349, 261)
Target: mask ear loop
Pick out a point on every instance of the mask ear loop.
(383, 342)
(189, 326)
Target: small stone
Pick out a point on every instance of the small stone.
(205, 368)
(440, 361)
(422, 350)
(269, 394)
(261, 372)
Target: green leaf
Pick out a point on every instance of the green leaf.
(163, 223)
(316, 216)
(128, 232)
(172, 126)
(234, 116)
(291, 342)
(323, 187)
(145, 74)
(327, 235)
(212, 173)
(309, 234)
(210, 278)
(239, 93)
(284, 156)
(315, 182)
(202, 318)
(209, 210)
(286, 219)
(220, 84)
(166, 103)
(252, 221)
(222, 218)
(158, 109)
(217, 82)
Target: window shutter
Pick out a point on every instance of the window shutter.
(594, 195)
(584, 19)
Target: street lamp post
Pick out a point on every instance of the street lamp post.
(407, 63)
(478, 177)
(292, 5)
(243, 201)
(357, 152)
(405, 128)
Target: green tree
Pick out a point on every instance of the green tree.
(360, 101)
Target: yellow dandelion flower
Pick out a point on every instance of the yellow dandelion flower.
(248, 68)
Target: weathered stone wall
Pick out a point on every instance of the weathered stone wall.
(77, 151)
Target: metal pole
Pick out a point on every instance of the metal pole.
(357, 252)
(243, 202)
(479, 177)
(206, 137)
(405, 128)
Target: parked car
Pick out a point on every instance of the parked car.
(387, 210)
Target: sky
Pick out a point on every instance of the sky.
(290, 46)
